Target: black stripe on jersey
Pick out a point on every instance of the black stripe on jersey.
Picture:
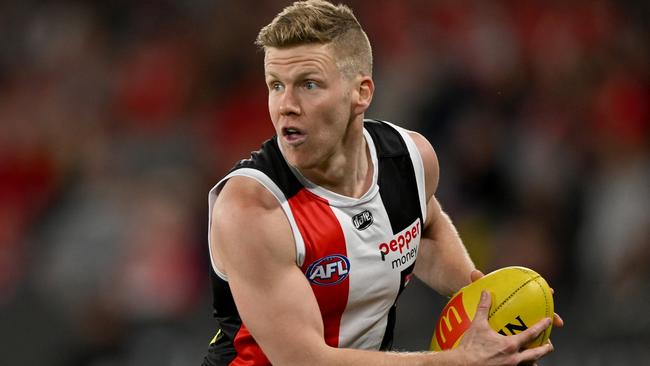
(222, 351)
(397, 183)
(387, 341)
(269, 160)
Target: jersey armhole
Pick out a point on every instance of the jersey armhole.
(265, 181)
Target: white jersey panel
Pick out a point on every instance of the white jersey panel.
(377, 260)
(372, 289)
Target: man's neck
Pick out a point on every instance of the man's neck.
(349, 170)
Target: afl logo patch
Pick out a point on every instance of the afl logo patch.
(362, 220)
(329, 270)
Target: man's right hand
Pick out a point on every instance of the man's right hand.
(481, 345)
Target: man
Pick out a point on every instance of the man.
(313, 239)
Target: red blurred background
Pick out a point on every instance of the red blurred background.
(117, 117)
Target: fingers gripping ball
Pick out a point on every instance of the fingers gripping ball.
(520, 298)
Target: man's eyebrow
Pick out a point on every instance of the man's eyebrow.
(300, 75)
(305, 73)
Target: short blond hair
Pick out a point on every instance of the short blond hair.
(318, 21)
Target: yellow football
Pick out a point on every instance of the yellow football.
(520, 298)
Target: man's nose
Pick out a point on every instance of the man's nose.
(289, 103)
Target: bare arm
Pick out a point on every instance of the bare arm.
(443, 262)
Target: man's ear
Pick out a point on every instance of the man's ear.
(365, 91)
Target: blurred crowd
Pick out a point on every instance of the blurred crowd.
(116, 118)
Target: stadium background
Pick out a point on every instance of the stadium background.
(117, 117)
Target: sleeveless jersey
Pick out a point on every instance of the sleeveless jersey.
(358, 254)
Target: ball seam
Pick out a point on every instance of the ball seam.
(511, 295)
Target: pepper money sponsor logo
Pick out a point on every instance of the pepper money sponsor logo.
(328, 270)
(402, 249)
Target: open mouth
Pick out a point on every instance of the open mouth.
(292, 134)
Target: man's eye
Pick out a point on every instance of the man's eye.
(310, 85)
(276, 87)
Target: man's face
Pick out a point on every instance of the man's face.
(309, 102)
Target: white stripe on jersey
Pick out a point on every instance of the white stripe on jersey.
(372, 289)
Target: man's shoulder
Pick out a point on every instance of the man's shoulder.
(250, 228)
(393, 135)
(387, 137)
(244, 194)
(390, 141)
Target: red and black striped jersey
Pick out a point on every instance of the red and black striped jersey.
(358, 254)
